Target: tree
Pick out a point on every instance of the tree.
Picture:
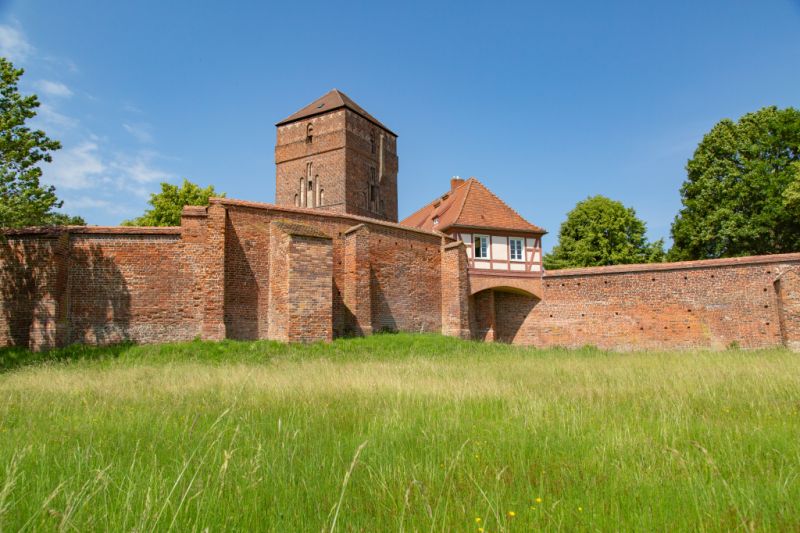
(24, 201)
(791, 196)
(168, 204)
(741, 192)
(600, 231)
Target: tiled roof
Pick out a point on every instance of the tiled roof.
(335, 99)
(470, 204)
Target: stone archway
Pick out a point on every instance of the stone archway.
(498, 313)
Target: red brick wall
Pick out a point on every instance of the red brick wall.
(326, 152)
(342, 274)
(131, 287)
(360, 159)
(455, 291)
(341, 155)
(33, 287)
(310, 310)
(788, 289)
(403, 268)
(98, 286)
(300, 284)
(679, 305)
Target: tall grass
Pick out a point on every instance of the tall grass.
(398, 433)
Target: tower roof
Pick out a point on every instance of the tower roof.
(470, 204)
(335, 99)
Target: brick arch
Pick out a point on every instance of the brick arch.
(498, 312)
(526, 286)
(787, 291)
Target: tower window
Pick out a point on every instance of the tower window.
(310, 133)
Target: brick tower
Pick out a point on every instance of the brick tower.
(334, 155)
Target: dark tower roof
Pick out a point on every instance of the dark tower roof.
(335, 99)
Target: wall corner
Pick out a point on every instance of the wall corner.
(213, 326)
(455, 291)
(357, 294)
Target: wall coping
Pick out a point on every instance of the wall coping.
(321, 213)
(299, 230)
(680, 265)
(92, 230)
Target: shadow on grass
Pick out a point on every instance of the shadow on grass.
(378, 347)
(15, 357)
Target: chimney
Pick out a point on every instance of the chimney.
(455, 182)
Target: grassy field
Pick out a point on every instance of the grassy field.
(398, 433)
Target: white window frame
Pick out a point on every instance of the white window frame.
(521, 241)
(488, 248)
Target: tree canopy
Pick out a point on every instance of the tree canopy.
(168, 204)
(24, 201)
(742, 192)
(600, 231)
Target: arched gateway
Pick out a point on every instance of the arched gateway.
(504, 255)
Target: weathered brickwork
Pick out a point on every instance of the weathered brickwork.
(33, 290)
(395, 271)
(330, 261)
(680, 305)
(787, 287)
(455, 291)
(110, 285)
(347, 164)
(300, 287)
(226, 273)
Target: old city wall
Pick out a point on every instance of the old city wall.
(252, 271)
(97, 286)
(751, 302)
(384, 277)
(235, 270)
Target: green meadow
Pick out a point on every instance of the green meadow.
(398, 433)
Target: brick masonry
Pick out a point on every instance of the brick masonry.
(345, 156)
(245, 270)
(329, 260)
(752, 302)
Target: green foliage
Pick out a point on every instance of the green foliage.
(168, 204)
(600, 231)
(791, 196)
(741, 195)
(24, 201)
(259, 436)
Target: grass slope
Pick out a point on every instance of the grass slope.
(397, 433)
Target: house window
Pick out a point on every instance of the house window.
(481, 247)
(515, 249)
(435, 221)
(310, 133)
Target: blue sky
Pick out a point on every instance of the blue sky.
(546, 102)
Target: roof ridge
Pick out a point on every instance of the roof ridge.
(468, 183)
(335, 99)
(487, 189)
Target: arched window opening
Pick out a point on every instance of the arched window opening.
(322, 197)
(310, 133)
(372, 141)
(297, 200)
